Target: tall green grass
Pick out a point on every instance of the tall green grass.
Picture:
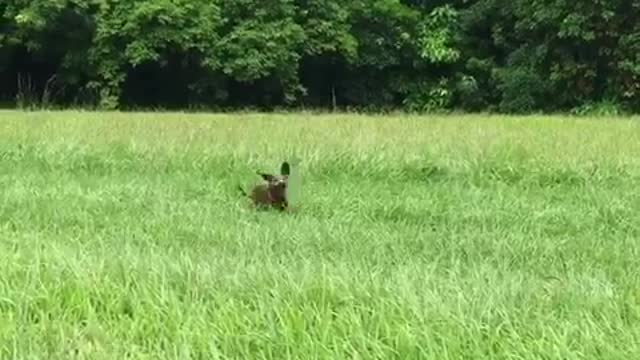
(472, 237)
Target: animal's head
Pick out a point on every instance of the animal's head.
(277, 184)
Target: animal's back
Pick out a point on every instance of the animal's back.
(259, 195)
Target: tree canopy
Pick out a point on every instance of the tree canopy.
(511, 56)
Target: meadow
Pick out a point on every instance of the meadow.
(123, 235)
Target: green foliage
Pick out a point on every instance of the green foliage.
(512, 56)
(327, 28)
(601, 109)
(429, 96)
(129, 34)
(468, 93)
(520, 88)
(437, 35)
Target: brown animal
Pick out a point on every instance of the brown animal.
(272, 193)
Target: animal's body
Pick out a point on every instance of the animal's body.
(272, 193)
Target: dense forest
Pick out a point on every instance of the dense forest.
(512, 56)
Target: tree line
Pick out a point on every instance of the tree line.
(512, 56)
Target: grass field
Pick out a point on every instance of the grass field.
(469, 237)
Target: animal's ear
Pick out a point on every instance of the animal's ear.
(285, 169)
(267, 177)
